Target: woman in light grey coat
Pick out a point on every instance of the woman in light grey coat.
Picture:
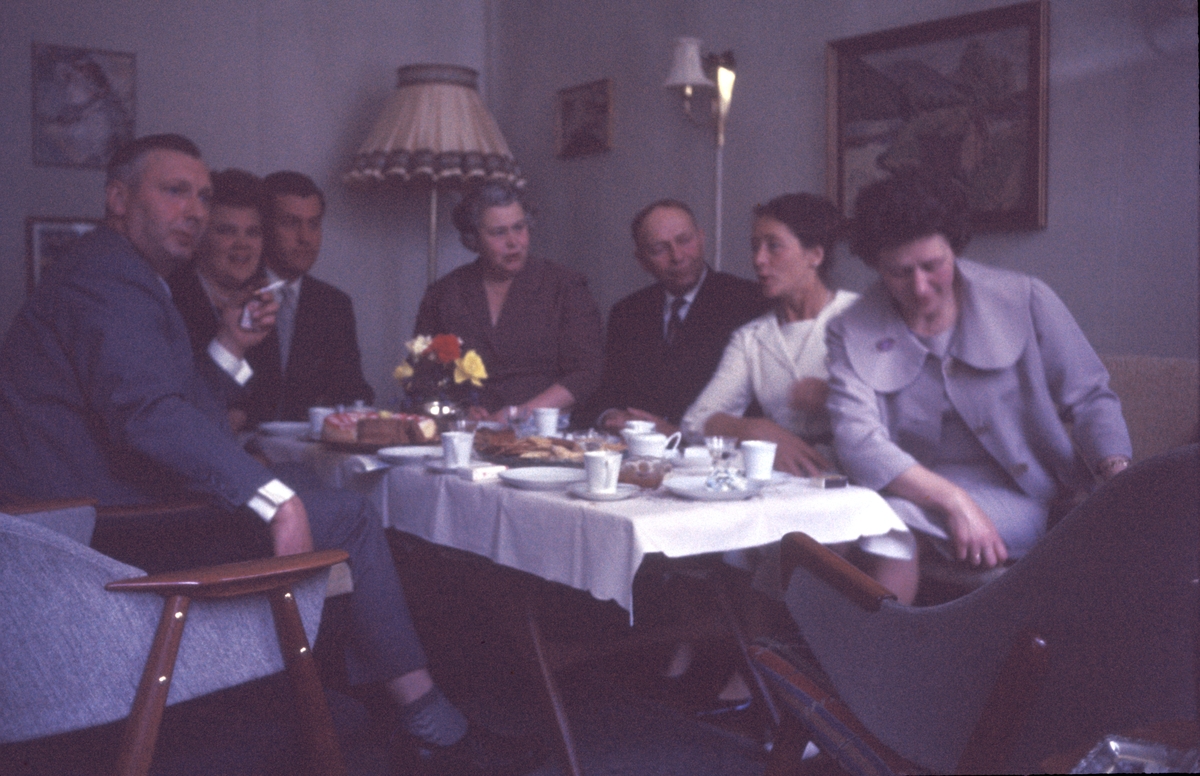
(950, 383)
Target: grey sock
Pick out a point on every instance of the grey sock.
(434, 719)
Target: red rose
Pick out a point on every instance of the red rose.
(446, 348)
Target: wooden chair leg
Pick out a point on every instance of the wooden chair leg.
(316, 723)
(551, 686)
(141, 729)
(1019, 680)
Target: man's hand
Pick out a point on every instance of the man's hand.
(260, 309)
(290, 533)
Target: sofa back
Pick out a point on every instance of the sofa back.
(1160, 398)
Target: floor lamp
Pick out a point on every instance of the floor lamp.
(689, 73)
(434, 131)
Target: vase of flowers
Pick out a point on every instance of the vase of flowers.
(438, 378)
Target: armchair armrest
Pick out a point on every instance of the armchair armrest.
(273, 576)
(49, 505)
(232, 579)
(800, 549)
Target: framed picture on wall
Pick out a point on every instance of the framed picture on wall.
(83, 105)
(964, 98)
(583, 119)
(48, 239)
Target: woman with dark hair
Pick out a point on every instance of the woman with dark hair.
(950, 383)
(228, 262)
(778, 359)
(533, 322)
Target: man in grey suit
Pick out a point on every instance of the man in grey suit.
(101, 396)
(663, 343)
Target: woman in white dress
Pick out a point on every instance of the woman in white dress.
(778, 359)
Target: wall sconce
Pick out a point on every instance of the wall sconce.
(691, 71)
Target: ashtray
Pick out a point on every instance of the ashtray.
(1117, 754)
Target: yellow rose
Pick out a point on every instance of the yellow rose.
(470, 367)
(403, 372)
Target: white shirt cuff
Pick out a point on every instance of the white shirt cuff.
(269, 498)
(235, 367)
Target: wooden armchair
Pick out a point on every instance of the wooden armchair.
(1093, 632)
(78, 629)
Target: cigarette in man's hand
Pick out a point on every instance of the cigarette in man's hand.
(270, 288)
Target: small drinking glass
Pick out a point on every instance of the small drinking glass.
(721, 449)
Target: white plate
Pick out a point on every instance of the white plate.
(542, 477)
(693, 488)
(624, 491)
(285, 428)
(408, 455)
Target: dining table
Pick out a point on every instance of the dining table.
(593, 546)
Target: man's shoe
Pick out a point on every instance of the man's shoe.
(481, 753)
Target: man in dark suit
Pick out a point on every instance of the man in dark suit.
(101, 395)
(312, 357)
(663, 342)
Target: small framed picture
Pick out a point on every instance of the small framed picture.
(963, 98)
(83, 105)
(48, 239)
(584, 119)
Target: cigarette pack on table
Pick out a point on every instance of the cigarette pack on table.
(481, 473)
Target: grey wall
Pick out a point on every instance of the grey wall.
(272, 84)
(263, 85)
(1121, 245)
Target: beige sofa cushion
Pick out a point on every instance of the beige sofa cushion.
(1160, 398)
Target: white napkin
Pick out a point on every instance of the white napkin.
(361, 464)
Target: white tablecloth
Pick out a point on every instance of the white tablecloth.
(592, 546)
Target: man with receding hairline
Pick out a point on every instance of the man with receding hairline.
(102, 396)
(663, 343)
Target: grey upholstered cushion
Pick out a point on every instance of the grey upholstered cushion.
(76, 522)
(73, 653)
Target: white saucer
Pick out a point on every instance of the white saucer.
(438, 466)
(624, 491)
(542, 477)
(694, 488)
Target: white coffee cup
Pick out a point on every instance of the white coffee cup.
(316, 420)
(545, 421)
(639, 426)
(653, 445)
(456, 447)
(759, 457)
(602, 467)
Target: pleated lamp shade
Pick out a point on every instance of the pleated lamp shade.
(436, 128)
